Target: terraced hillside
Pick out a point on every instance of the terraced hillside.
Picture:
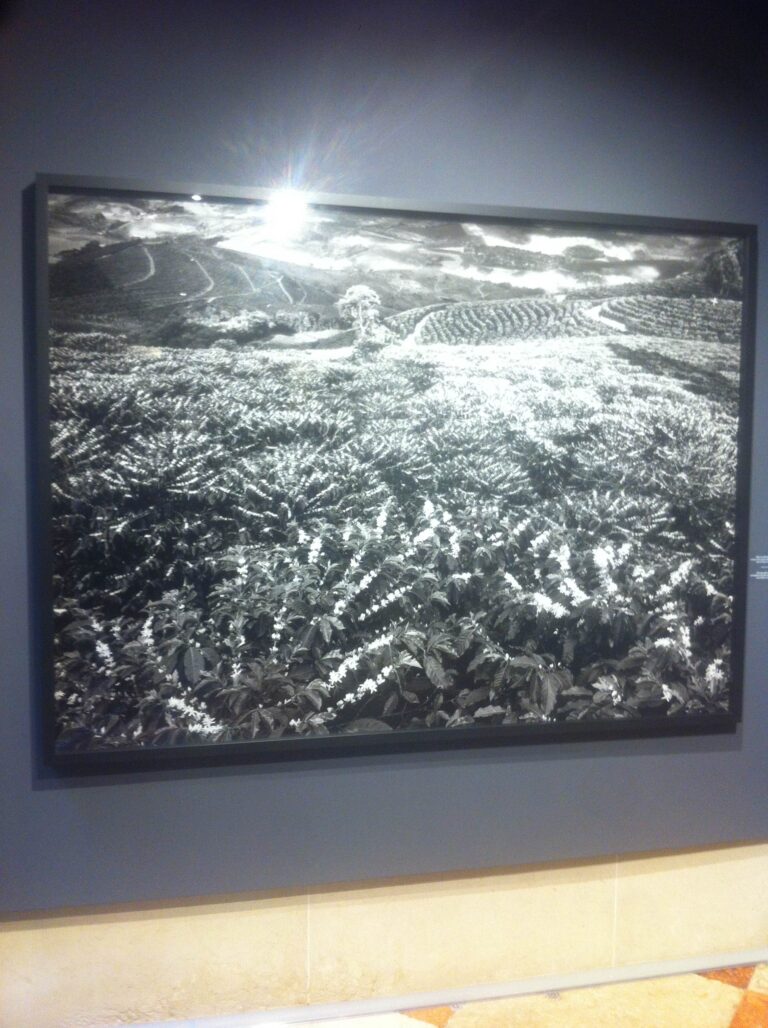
(142, 283)
(711, 318)
(493, 320)
(708, 319)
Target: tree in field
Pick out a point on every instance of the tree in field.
(360, 307)
(723, 273)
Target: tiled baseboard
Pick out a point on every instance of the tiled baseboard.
(469, 994)
(374, 945)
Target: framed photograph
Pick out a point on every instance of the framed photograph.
(323, 474)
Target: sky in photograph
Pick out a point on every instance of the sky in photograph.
(289, 232)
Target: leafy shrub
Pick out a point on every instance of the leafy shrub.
(255, 546)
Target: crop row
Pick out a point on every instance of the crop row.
(404, 323)
(510, 319)
(248, 546)
(712, 319)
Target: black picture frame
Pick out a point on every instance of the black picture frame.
(390, 307)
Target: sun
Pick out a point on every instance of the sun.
(285, 214)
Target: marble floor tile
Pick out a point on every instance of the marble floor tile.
(752, 1012)
(436, 1016)
(685, 1001)
(369, 1021)
(738, 976)
(759, 980)
(729, 997)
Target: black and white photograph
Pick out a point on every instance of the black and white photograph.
(322, 469)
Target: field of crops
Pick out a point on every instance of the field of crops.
(707, 318)
(495, 320)
(254, 544)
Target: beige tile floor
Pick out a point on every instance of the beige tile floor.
(733, 997)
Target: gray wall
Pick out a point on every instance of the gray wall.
(516, 104)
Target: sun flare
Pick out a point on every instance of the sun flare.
(285, 214)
